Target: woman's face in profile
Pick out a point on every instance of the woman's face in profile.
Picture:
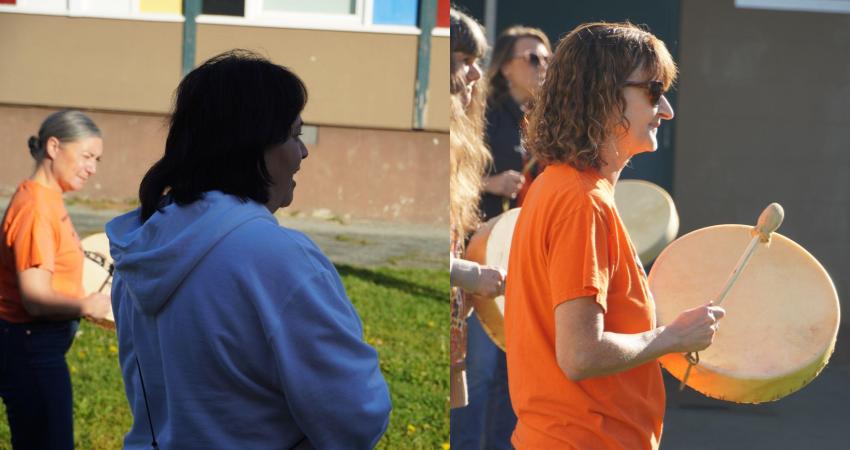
(643, 116)
(283, 161)
(527, 67)
(74, 162)
(465, 67)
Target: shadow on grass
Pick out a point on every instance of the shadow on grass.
(392, 282)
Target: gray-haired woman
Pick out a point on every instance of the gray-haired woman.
(41, 291)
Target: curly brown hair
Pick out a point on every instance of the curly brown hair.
(581, 101)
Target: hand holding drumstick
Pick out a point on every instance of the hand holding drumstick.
(768, 222)
(694, 329)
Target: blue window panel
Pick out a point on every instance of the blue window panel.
(395, 12)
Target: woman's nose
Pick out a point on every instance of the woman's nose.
(665, 109)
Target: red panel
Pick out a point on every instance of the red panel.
(7, 2)
(443, 13)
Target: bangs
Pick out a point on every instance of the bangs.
(660, 63)
(467, 35)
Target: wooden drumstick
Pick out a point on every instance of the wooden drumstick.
(768, 222)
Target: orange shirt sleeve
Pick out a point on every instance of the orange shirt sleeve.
(578, 256)
(33, 241)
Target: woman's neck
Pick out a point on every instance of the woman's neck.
(44, 177)
(521, 96)
(613, 162)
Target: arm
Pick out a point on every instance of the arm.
(584, 349)
(40, 300)
(475, 278)
(504, 184)
(330, 377)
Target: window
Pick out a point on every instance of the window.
(223, 7)
(825, 6)
(161, 6)
(39, 6)
(391, 16)
(338, 7)
(168, 10)
(386, 16)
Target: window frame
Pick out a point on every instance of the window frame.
(816, 6)
(361, 21)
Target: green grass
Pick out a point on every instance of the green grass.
(405, 317)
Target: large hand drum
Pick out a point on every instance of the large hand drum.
(491, 245)
(782, 314)
(649, 215)
(97, 271)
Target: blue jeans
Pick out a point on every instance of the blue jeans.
(488, 421)
(35, 383)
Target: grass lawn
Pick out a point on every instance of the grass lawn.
(405, 317)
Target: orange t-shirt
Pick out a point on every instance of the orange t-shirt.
(37, 232)
(569, 242)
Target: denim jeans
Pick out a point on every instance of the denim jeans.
(35, 383)
(488, 421)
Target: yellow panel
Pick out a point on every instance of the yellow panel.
(118, 65)
(160, 6)
(437, 108)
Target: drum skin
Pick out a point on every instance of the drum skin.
(94, 274)
(490, 245)
(781, 321)
(649, 214)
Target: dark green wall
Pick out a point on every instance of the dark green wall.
(558, 18)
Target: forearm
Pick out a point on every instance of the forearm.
(49, 304)
(584, 349)
(490, 185)
(464, 274)
(617, 352)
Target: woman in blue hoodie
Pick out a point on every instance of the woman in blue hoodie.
(235, 332)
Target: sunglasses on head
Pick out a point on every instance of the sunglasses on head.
(654, 88)
(534, 59)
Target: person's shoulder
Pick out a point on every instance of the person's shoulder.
(562, 192)
(563, 182)
(272, 244)
(29, 199)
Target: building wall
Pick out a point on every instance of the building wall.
(109, 64)
(367, 162)
(391, 175)
(763, 117)
(354, 79)
(437, 109)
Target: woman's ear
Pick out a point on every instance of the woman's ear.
(51, 147)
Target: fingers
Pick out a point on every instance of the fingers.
(492, 282)
(717, 311)
(512, 182)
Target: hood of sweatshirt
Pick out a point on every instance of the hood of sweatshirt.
(154, 257)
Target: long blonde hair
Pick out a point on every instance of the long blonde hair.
(469, 157)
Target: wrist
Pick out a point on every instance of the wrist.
(667, 340)
(86, 306)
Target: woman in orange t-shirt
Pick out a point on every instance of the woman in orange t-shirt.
(580, 328)
(41, 292)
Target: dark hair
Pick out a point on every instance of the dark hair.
(503, 52)
(66, 125)
(227, 113)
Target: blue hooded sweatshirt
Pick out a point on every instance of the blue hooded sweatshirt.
(243, 333)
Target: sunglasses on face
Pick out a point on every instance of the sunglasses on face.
(654, 88)
(534, 59)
